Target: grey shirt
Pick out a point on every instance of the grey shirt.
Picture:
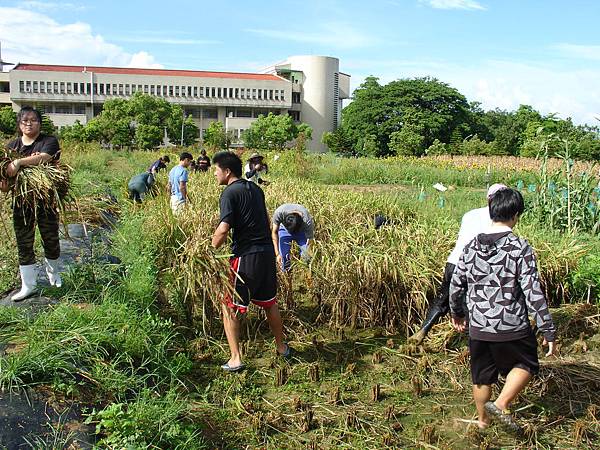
(308, 226)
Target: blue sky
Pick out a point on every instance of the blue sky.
(502, 53)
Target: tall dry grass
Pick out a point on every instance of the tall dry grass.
(358, 277)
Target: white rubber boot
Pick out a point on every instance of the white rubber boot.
(52, 272)
(28, 283)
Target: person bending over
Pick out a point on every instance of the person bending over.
(291, 223)
(139, 186)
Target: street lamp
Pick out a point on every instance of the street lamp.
(182, 125)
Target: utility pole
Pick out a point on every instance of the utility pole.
(182, 125)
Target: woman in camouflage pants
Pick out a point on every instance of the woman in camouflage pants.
(34, 148)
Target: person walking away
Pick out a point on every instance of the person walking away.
(139, 186)
(203, 161)
(497, 271)
(253, 266)
(177, 185)
(473, 223)
(159, 164)
(256, 169)
(34, 148)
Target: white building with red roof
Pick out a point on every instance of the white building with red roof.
(309, 88)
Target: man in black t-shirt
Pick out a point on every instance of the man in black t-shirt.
(253, 268)
(203, 163)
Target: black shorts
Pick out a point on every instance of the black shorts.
(254, 279)
(488, 359)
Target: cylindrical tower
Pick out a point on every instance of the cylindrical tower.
(320, 94)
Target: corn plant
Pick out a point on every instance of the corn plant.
(566, 200)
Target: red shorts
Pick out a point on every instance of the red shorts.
(254, 279)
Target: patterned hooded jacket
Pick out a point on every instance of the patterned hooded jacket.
(499, 275)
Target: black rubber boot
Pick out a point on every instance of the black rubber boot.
(433, 315)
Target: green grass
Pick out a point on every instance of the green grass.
(330, 169)
(119, 338)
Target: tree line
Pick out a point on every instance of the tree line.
(423, 116)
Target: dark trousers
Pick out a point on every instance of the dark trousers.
(24, 221)
(442, 299)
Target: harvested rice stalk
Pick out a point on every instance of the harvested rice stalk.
(45, 185)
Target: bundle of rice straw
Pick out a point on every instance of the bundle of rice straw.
(43, 185)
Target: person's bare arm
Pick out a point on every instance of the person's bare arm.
(183, 189)
(220, 234)
(33, 160)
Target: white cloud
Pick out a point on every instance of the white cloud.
(454, 4)
(49, 42)
(335, 35)
(144, 60)
(166, 41)
(591, 52)
(500, 84)
(47, 6)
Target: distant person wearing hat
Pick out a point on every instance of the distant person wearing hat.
(159, 164)
(139, 186)
(203, 163)
(473, 223)
(256, 169)
(177, 186)
(291, 223)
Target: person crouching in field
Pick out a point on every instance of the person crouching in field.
(473, 223)
(34, 148)
(177, 185)
(497, 271)
(139, 186)
(253, 267)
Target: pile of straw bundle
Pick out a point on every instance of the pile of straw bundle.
(43, 185)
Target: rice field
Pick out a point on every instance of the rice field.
(148, 339)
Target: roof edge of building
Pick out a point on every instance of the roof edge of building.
(144, 71)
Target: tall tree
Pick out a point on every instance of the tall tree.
(425, 108)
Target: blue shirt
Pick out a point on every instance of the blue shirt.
(177, 175)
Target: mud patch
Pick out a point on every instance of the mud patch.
(29, 419)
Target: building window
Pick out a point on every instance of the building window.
(295, 97)
(177, 91)
(295, 115)
(62, 109)
(210, 113)
(195, 91)
(244, 112)
(79, 108)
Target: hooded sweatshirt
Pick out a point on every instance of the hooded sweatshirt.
(498, 272)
